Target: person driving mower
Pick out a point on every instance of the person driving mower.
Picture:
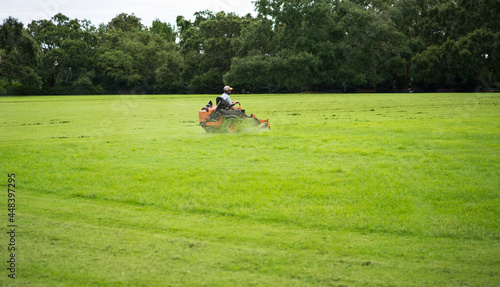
(227, 99)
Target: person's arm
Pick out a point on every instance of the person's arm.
(228, 100)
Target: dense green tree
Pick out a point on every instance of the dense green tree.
(183, 25)
(408, 19)
(343, 42)
(283, 35)
(207, 48)
(126, 23)
(258, 36)
(291, 46)
(19, 59)
(164, 29)
(68, 54)
(367, 44)
(462, 44)
(138, 62)
(168, 75)
(283, 72)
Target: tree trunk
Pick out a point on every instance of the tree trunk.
(311, 87)
(484, 82)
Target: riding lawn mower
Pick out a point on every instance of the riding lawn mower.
(225, 118)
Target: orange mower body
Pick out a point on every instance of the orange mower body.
(224, 118)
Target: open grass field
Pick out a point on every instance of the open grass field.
(344, 190)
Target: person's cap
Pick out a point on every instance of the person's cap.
(228, 88)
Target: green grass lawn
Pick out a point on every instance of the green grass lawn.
(344, 190)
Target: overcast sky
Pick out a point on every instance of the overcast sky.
(102, 11)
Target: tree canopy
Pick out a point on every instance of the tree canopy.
(290, 46)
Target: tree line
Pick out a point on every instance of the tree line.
(290, 46)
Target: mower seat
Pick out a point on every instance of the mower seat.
(223, 104)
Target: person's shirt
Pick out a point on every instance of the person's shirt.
(227, 98)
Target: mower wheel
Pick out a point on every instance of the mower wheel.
(232, 125)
